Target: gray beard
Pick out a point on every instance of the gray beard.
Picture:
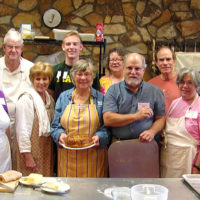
(133, 83)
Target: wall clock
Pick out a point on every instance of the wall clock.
(52, 18)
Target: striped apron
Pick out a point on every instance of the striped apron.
(92, 162)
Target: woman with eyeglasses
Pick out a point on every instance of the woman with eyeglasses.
(78, 127)
(180, 151)
(115, 67)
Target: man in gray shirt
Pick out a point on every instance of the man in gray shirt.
(134, 108)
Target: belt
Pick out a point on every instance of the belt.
(117, 138)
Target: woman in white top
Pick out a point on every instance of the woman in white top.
(5, 155)
(34, 112)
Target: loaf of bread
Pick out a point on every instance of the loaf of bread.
(10, 175)
(78, 141)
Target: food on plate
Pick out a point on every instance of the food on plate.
(33, 178)
(55, 186)
(52, 185)
(10, 175)
(78, 141)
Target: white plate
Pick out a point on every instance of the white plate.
(62, 187)
(79, 148)
(29, 184)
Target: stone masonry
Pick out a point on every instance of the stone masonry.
(131, 24)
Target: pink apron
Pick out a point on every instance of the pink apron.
(180, 148)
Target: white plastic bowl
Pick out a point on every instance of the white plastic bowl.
(149, 192)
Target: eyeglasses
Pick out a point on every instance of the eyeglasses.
(116, 60)
(137, 69)
(15, 47)
(189, 83)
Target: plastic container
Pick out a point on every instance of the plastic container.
(87, 37)
(28, 35)
(99, 32)
(60, 33)
(149, 192)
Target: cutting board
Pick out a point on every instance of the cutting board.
(12, 184)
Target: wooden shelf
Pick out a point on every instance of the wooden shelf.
(101, 45)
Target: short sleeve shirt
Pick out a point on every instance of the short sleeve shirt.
(62, 81)
(120, 99)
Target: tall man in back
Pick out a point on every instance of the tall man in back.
(14, 72)
(134, 108)
(166, 81)
(72, 46)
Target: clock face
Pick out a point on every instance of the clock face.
(52, 18)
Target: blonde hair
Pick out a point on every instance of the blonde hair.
(72, 33)
(41, 68)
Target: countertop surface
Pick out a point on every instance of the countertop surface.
(93, 188)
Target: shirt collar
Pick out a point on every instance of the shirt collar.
(19, 69)
(93, 93)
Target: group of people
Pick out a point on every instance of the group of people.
(125, 107)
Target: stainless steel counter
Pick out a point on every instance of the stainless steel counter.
(86, 189)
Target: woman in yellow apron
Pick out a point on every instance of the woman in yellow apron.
(79, 111)
(180, 154)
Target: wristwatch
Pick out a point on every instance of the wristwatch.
(197, 167)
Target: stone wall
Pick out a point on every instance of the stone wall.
(135, 25)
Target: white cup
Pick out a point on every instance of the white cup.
(149, 192)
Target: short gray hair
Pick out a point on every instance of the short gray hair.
(82, 65)
(142, 59)
(13, 35)
(191, 71)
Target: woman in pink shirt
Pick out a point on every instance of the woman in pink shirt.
(180, 152)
